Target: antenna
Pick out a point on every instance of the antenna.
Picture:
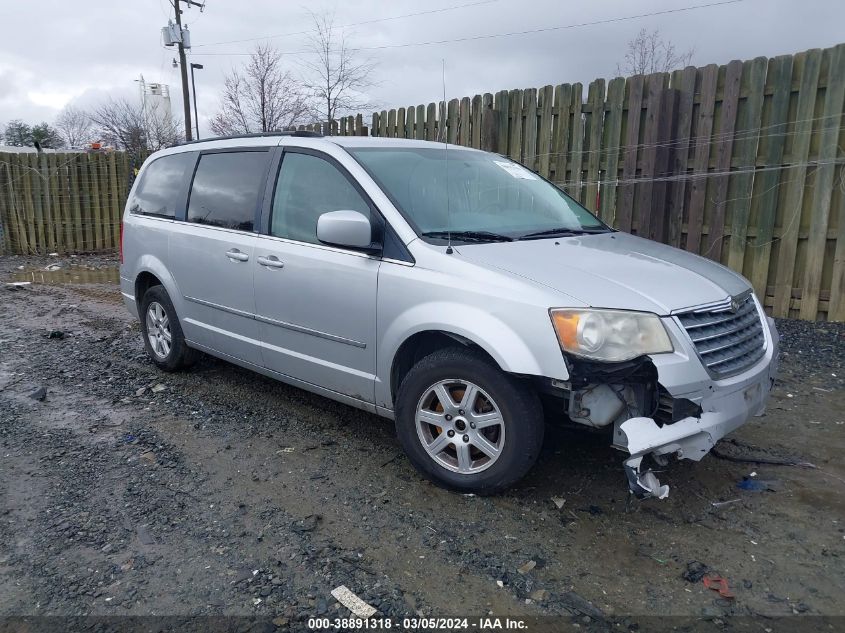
(449, 250)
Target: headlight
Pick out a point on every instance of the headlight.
(610, 335)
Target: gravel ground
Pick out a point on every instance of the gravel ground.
(128, 491)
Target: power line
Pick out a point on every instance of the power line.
(694, 176)
(749, 134)
(344, 26)
(474, 38)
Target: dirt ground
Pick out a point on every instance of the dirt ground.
(128, 491)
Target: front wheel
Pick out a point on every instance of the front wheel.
(466, 424)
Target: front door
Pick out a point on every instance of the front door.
(316, 304)
(212, 253)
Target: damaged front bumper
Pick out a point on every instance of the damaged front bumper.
(724, 406)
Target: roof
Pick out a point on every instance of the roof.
(375, 141)
(308, 139)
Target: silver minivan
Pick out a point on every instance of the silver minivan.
(449, 289)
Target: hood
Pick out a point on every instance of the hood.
(613, 270)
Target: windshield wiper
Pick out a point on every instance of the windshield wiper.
(470, 236)
(563, 232)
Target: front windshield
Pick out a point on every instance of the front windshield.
(472, 195)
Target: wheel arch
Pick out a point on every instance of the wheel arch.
(151, 271)
(422, 329)
(143, 282)
(421, 344)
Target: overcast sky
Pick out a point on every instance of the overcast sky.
(55, 52)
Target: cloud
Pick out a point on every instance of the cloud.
(55, 100)
(79, 52)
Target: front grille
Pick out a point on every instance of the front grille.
(726, 341)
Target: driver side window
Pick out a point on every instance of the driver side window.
(307, 187)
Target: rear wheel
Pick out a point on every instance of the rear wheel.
(467, 425)
(163, 338)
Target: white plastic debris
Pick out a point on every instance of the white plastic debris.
(558, 501)
(524, 569)
(352, 602)
(650, 482)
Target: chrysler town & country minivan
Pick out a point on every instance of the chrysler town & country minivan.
(449, 289)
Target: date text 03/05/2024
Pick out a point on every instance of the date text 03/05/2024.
(418, 624)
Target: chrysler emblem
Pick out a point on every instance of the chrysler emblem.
(734, 304)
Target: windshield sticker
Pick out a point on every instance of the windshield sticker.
(517, 171)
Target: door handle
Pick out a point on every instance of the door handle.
(236, 256)
(270, 262)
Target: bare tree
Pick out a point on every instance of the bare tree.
(135, 127)
(336, 78)
(260, 97)
(649, 53)
(75, 126)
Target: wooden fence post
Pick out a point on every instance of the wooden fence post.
(634, 99)
(724, 151)
(834, 100)
(476, 116)
(516, 112)
(529, 132)
(501, 105)
(701, 161)
(684, 82)
(796, 180)
(489, 124)
(464, 131)
(5, 211)
(610, 146)
(545, 106)
(666, 132)
(746, 146)
(593, 129)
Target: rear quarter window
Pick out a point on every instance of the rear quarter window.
(160, 191)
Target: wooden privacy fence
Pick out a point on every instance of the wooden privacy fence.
(740, 163)
(62, 202)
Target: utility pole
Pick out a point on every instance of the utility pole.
(183, 68)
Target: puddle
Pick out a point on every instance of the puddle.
(62, 276)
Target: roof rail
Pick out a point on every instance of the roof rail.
(300, 133)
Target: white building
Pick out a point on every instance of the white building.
(155, 98)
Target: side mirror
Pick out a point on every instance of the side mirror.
(345, 228)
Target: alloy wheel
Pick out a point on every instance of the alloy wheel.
(158, 330)
(460, 426)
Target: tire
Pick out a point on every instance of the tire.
(468, 465)
(157, 311)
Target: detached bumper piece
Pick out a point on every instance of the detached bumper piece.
(643, 485)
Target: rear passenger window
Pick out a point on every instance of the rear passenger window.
(162, 185)
(226, 189)
(309, 186)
